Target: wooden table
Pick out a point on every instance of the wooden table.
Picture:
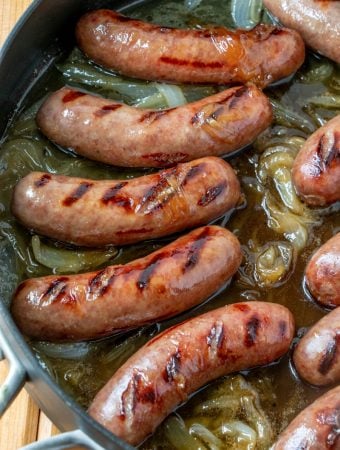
(23, 423)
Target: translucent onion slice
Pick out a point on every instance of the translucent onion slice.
(246, 13)
(172, 94)
(245, 434)
(69, 261)
(179, 437)
(273, 262)
(331, 101)
(206, 436)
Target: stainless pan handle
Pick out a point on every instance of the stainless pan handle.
(16, 376)
(64, 441)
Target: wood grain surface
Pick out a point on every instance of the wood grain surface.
(23, 423)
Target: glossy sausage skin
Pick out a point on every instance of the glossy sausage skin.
(317, 355)
(97, 213)
(316, 427)
(318, 22)
(122, 135)
(215, 55)
(316, 169)
(323, 273)
(161, 375)
(160, 285)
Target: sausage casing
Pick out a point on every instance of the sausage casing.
(323, 273)
(160, 285)
(317, 355)
(97, 213)
(121, 135)
(317, 21)
(316, 427)
(183, 358)
(215, 55)
(316, 169)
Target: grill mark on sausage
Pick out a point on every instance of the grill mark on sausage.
(43, 180)
(200, 118)
(107, 109)
(252, 327)
(172, 368)
(216, 336)
(282, 328)
(195, 250)
(196, 64)
(53, 285)
(329, 356)
(328, 150)
(152, 116)
(147, 271)
(97, 282)
(237, 96)
(211, 194)
(263, 32)
(111, 197)
(72, 95)
(192, 173)
(136, 392)
(153, 199)
(166, 159)
(77, 194)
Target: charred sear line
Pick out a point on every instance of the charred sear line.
(192, 173)
(72, 95)
(252, 327)
(54, 286)
(43, 180)
(136, 392)
(172, 367)
(329, 356)
(152, 116)
(211, 194)
(328, 150)
(96, 283)
(159, 194)
(216, 336)
(196, 64)
(148, 271)
(282, 328)
(113, 196)
(195, 250)
(166, 159)
(237, 96)
(146, 274)
(107, 109)
(77, 194)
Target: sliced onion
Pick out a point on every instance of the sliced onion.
(245, 434)
(330, 101)
(178, 435)
(273, 262)
(69, 261)
(288, 118)
(206, 436)
(172, 94)
(246, 13)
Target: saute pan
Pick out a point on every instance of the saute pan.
(42, 34)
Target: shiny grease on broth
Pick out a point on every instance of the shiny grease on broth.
(85, 367)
